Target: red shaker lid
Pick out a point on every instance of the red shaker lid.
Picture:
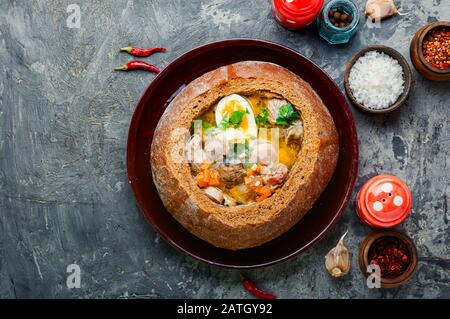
(302, 12)
(384, 201)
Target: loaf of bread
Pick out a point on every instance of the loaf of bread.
(244, 226)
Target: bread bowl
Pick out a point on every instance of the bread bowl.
(249, 224)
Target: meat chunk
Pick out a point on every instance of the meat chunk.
(276, 176)
(294, 133)
(231, 174)
(274, 106)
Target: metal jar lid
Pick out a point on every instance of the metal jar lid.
(384, 201)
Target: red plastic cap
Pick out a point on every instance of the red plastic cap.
(297, 14)
(384, 201)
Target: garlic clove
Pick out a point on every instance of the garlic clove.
(337, 261)
(380, 9)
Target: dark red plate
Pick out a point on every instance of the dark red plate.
(169, 82)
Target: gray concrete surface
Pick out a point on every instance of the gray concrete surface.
(64, 115)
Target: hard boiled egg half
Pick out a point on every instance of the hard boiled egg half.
(246, 128)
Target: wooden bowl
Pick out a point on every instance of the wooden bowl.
(406, 76)
(189, 66)
(418, 59)
(364, 260)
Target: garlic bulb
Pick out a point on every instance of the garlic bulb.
(380, 9)
(337, 261)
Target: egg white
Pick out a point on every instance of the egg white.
(237, 133)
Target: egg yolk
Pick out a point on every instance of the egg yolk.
(231, 106)
(244, 123)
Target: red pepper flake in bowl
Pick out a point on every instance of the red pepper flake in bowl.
(436, 48)
(391, 254)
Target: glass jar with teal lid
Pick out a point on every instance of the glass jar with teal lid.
(338, 21)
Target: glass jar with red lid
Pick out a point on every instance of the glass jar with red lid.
(296, 14)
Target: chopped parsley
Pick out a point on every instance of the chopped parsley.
(287, 114)
(225, 123)
(233, 120)
(262, 120)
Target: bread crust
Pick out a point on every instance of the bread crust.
(244, 226)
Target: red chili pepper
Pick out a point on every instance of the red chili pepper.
(137, 65)
(255, 291)
(142, 52)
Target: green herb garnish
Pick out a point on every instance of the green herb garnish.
(225, 123)
(262, 120)
(287, 114)
(233, 120)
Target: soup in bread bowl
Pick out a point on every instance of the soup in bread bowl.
(241, 154)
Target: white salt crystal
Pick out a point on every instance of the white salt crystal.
(376, 80)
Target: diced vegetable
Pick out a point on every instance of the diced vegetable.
(242, 194)
(215, 194)
(253, 181)
(256, 170)
(263, 192)
(251, 172)
(229, 201)
(214, 178)
(260, 168)
(207, 176)
(201, 181)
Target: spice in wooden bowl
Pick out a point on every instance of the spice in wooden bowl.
(436, 48)
(394, 253)
(428, 51)
(391, 254)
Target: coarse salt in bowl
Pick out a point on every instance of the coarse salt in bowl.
(378, 79)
